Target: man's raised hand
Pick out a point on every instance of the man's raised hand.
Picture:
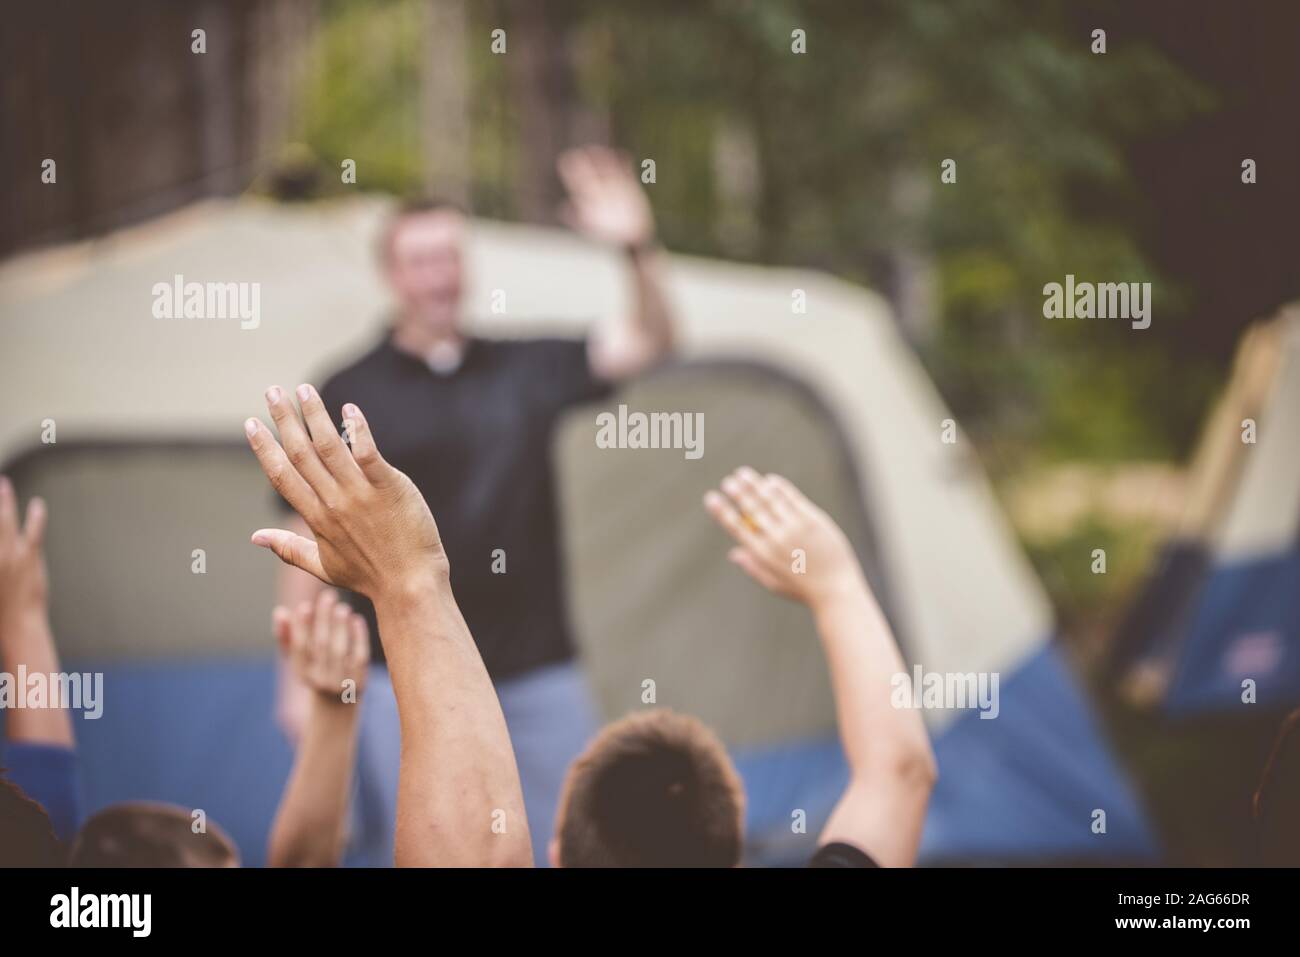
(373, 532)
(606, 201)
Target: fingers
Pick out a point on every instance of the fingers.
(284, 478)
(786, 491)
(322, 631)
(585, 170)
(307, 469)
(8, 508)
(328, 641)
(34, 526)
(742, 487)
(300, 635)
(32, 530)
(576, 170)
(364, 451)
(726, 515)
(593, 163)
(762, 496)
(340, 639)
(297, 443)
(292, 550)
(325, 437)
(282, 628)
(359, 643)
(612, 163)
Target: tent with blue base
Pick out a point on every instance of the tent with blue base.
(793, 371)
(1217, 628)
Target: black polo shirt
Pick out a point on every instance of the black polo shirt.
(477, 443)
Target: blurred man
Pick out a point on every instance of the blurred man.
(470, 421)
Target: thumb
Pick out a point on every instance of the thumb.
(292, 550)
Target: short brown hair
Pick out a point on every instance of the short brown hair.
(655, 789)
(148, 834)
(406, 208)
(26, 835)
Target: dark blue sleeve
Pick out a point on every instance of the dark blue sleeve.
(48, 774)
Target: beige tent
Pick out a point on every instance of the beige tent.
(829, 395)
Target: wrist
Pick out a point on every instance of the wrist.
(330, 706)
(24, 628)
(22, 612)
(425, 607)
(415, 590)
(848, 586)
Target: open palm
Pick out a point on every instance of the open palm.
(606, 202)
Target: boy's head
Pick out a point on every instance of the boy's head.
(146, 834)
(26, 836)
(655, 789)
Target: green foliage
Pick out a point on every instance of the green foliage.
(847, 141)
(1085, 600)
(361, 99)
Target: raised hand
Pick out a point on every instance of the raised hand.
(374, 532)
(326, 645)
(783, 541)
(790, 546)
(374, 535)
(24, 584)
(606, 202)
(327, 649)
(25, 636)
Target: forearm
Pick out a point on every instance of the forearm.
(310, 825)
(864, 659)
(27, 639)
(652, 320)
(459, 801)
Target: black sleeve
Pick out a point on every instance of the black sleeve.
(564, 372)
(837, 854)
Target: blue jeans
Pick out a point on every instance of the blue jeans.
(551, 716)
